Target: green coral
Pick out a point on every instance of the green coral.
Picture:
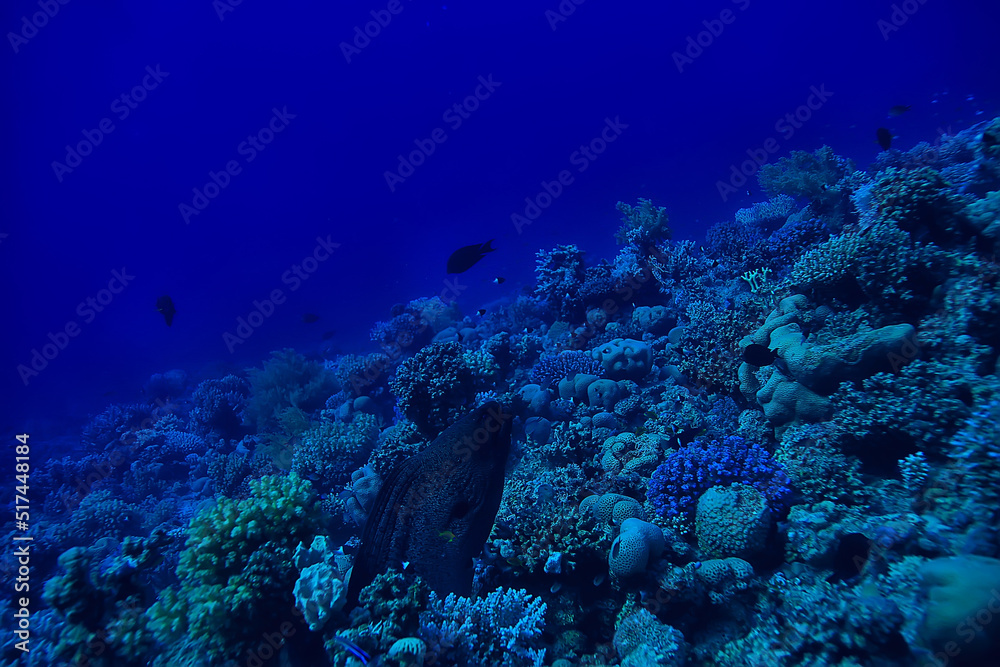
(287, 380)
(236, 574)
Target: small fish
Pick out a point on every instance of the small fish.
(309, 318)
(405, 565)
(884, 138)
(447, 534)
(759, 355)
(499, 280)
(898, 110)
(528, 329)
(327, 335)
(353, 648)
(481, 312)
(468, 256)
(166, 306)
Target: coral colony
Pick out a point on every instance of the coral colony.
(779, 448)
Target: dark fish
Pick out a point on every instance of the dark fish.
(759, 355)
(898, 110)
(481, 312)
(327, 335)
(309, 318)
(453, 485)
(166, 306)
(466, 257)
(884, 137)
(851, 557)
(498, 280)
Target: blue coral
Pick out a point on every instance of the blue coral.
(690, 471)
(551, 369)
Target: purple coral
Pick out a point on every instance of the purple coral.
(688, 472)
(551, 369)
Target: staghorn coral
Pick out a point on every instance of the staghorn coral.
(502, 629)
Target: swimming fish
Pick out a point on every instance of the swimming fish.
(499, 280)
(353, 648)
(309, 318)
(166, 306)
(759, 355)
(884, 137)
(447, 534)
(898, 110)
(452, 486)
(481, 312)
(466, 257)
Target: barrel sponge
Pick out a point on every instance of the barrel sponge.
(625, 359)
(635, 545)
(963, 596)
(732, 521)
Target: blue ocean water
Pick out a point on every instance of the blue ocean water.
(227, 236)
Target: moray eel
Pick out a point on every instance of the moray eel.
(436, 509)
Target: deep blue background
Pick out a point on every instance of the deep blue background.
(324, 174)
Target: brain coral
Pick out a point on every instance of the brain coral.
(636, 544)
(732, 521)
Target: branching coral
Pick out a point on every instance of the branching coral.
(559, 276)
(236, 573)
(287, 380)
(437, 384)
(219, 405)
